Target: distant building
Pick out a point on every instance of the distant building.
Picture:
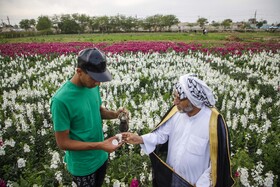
(6, 28)
(186, 27)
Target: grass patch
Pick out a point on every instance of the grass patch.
(211, 39)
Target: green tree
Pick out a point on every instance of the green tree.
(152, 22)
(32, 22)
(116, 23)
(261, 23)
(24, 24)
(170, 20)
(83, 21)
(68, 25)
(55, 21)
(103, 23)
(215, 24)
(93, 23)
(202, 22)
(130, 24)
(159, 22)
(226, 23)
(44, 23)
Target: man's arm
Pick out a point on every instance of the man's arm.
(110, 114)
(65, 143)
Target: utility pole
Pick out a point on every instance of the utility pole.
(8, 20)
(255, 21)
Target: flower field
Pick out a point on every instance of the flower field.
(244, 77)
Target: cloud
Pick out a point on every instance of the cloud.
(185, 10)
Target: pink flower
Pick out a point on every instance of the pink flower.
(237, 174)
(134, 183)
(2, 183)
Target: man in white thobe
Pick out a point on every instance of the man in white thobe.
(187, 133)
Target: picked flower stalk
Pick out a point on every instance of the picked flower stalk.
(123, 122)
(118, 140)
(119, 136)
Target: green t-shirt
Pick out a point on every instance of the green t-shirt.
(77, 109)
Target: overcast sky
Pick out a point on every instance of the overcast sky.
(184, 10)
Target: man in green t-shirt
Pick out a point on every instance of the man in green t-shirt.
(77, 116)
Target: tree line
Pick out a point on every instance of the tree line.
(82, 23)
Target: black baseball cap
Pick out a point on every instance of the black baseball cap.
(94, 62)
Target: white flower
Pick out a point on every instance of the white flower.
(2, 151)
(107, 179)
(58, 176)
(8, 123)
(142, 177)
(46, 124)
(243, 120)
(112, 156)
(10, 142)
(142, 153)
(244, 176)
(32, 139)
(105, 127)
(26, 148)
(55, 160)
(10, 183)
(145, 166)
(259, 152)
(150, 177)
(256, 173)
(43, 132)
(268, 181)
(21, 163)
(116, 183)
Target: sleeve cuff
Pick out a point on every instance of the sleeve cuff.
(149, 143)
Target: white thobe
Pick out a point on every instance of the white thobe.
(188, 146)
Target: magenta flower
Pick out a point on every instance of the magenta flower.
(2, 183)
(30, 49)
(236, 174)
(134, 183)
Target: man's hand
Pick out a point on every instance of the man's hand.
(112, 114)
(108, 145)
(122, 110)
(132, 138)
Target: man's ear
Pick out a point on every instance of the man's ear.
(79, 71)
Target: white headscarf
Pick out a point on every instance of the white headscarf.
(199, 94)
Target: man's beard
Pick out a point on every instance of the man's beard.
(188, 108)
